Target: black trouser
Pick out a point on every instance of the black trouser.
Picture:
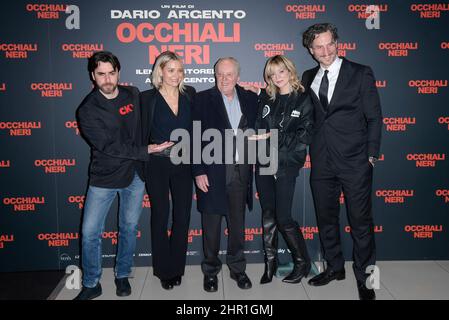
(356, 183)
(164, 178)
(276, 195)
(236, 191)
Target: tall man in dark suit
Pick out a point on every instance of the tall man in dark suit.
(347, 134)
(224, 189)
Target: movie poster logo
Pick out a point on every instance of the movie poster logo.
(5, 239)
(23, 204)
(398, 124)
(398, 49)
(380, 84)
(362, 10)
(22, 128)
(51, 90)
(426, 160)
(194, 234)
(73, 125)
(46, 11)
(272, 49)
(392, 196)
(82, 50)
(192, 75)
(5, 163)
(444, 45)
(309, 232)
(190, 40)
(77, 200)
(17, 50)
(113, 236)
(2, 87)
(55, 165)
(306, 11)
(427, 86)
(444, 121)
(249, 233)
(377, 229)
(344, 47)
(423, 231)
(443, 194)
(58, 239)
(146, 203)
(429, 10)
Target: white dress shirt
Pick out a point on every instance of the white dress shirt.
(334, 70)
(234, 114)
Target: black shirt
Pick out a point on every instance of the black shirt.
(165, 121)
(112, 128)
(279, 104)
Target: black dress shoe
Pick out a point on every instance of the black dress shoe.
(123, 287)
(167, 284)
(210, 283)
(176, 281)
(89, 293)
(364, 292)
(242, 280)
(327, 276)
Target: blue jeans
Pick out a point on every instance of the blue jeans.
(97, 205)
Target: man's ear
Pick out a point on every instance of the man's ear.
(93, 76)
(311, 51)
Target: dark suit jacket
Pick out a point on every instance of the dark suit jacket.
(148, 104)
(209, 108)
(350, 131)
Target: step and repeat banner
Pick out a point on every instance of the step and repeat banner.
(44, 47)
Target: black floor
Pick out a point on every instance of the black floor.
(37, 285)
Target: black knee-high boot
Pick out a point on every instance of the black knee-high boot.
(296, 244)
(270, 243)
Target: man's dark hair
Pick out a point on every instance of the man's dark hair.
(310, 34)
(102, 56)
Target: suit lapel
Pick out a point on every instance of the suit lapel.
(221, 108)
(152, 107)
(243, 108)
(344, 77)
(312, 76)
(308, 84)
(148, 105)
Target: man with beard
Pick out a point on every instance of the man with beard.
(343, 152)
(109, 120)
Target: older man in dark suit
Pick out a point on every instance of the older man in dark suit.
(225, 189)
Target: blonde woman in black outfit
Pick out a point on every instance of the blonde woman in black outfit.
(165, 108)
(286, 107)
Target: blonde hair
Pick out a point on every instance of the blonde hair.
(160, 63)
(281, 61)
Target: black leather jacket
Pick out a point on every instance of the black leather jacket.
(294, 121)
